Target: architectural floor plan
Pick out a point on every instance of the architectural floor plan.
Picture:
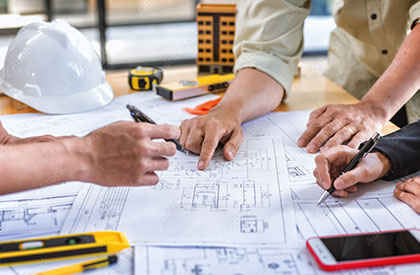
(244, 201)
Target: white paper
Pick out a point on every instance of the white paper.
(289, 125)
(157, 108)
(37, 212)
(245, 201)
(287, 259)
(373, 208)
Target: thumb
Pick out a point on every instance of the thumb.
(232, 146)
(350, 178)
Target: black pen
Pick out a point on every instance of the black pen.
(366, 148)
(139, 116)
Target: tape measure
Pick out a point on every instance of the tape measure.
(62, 247)
(143, 78)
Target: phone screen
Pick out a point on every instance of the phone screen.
(372, 246)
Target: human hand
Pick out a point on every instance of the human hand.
(330, 164)
(409, 193)
(124, 153)
(337, 124)
(202, 135)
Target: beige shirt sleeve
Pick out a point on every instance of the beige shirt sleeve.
(414, 14)
(269, 37)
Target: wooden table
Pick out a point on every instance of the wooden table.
(309, 91)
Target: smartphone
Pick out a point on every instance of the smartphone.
(366, 249)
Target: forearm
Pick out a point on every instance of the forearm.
(402, 148)
(34, 165)
(251, 94)
(400, 81)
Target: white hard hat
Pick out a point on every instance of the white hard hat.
(53, 68)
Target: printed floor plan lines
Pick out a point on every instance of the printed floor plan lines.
(27, 216)
(214, 202)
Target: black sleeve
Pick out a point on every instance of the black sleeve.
(402, 148)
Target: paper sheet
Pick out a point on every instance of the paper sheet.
(287, 259)
(37, 212)
(372, 208)
(289, 125)
(159, 109)
(246, 201)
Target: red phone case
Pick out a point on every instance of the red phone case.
(364, 263)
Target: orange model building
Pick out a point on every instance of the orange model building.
(216, 31)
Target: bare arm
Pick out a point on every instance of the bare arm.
(357, 122)
(251, 95)
(400, 81)
(122, 153)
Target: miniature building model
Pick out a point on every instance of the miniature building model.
(216, 31)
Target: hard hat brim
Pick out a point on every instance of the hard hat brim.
(75, 103)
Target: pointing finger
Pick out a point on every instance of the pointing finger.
(210, 143)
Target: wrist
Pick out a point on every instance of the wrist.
(78, 160)
(385, 164)
(375, 109)
(228, 111)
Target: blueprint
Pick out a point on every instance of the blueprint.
(287, 259)
(37, 212)
(288, 125)
(372, 208)
(245, 201)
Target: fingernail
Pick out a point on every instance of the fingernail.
(339, 184)
(201, 165)
(301, 142)
(231, 154)
(311, 148)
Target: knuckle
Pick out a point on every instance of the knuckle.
(191, 144)
(209, 143)
(142, 165)
(143, 148)
(316, 124)
(141, 129)
(171, 149)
